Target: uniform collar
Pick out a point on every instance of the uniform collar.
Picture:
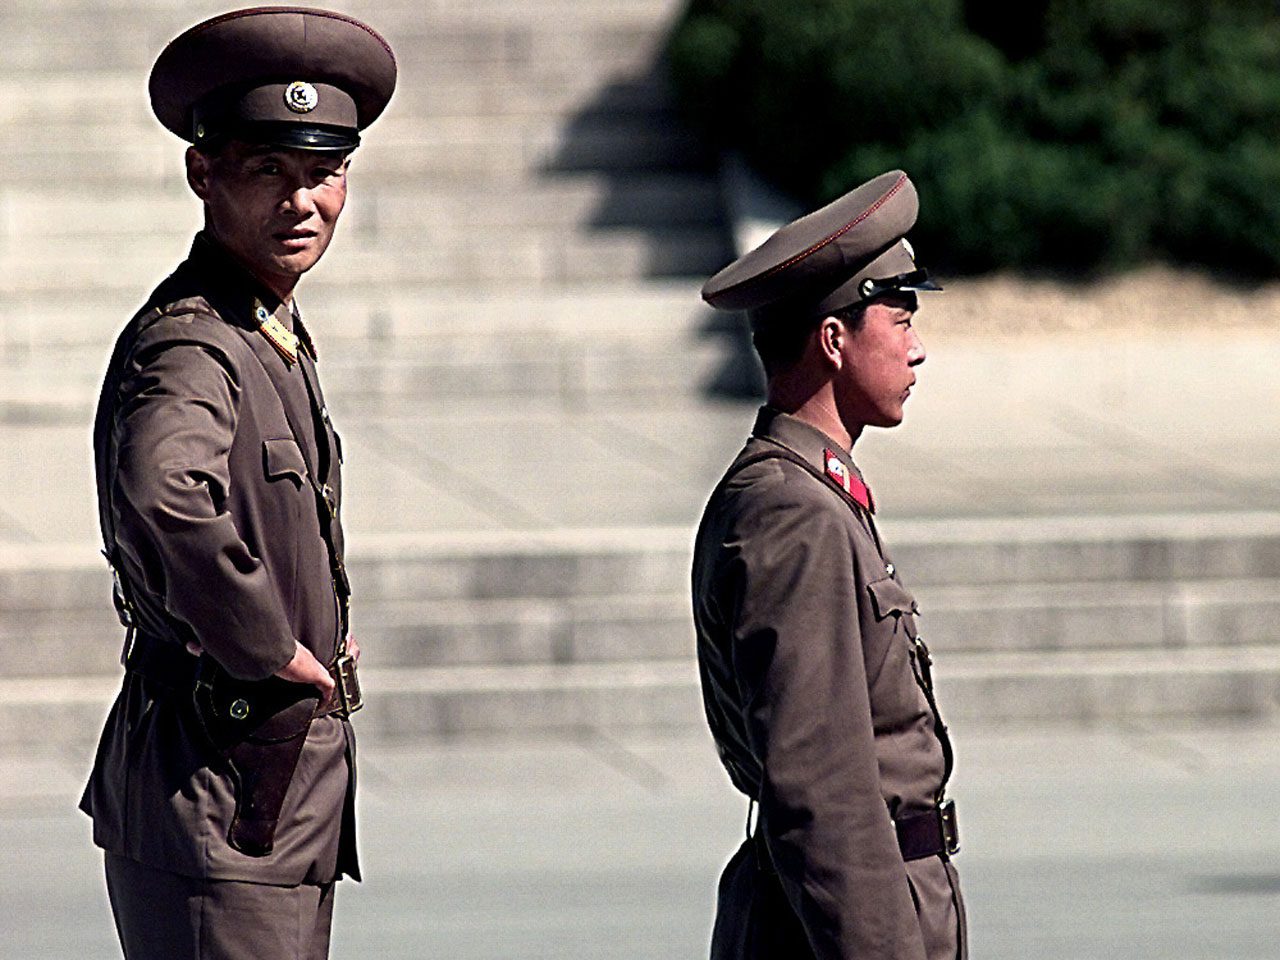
(802, 438)
(243, 300)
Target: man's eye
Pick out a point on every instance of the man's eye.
(268, 169)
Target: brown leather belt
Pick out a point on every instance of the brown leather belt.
(346, 698)
(170, 666)
(933, 833)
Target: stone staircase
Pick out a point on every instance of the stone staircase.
(528, 227)
(1084, 620)
(530, 159)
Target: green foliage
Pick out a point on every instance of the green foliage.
(1064, 134)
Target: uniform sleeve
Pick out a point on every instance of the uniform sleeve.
(799, 655)
(175, 422)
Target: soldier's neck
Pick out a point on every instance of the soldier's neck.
(282, 285)
(814, 405)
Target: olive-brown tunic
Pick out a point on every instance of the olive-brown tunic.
(816, 696)
(204, 488)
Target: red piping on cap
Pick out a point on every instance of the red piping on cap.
(301, 11)
(820, 244)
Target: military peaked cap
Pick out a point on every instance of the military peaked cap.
(276, 76)
(851, 250)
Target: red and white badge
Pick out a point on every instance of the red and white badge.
(855, 488)
(837, 471)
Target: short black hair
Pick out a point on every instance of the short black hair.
(779, 340)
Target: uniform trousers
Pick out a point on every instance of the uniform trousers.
(166, 916)
(754, 920)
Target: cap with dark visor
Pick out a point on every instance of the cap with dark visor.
(846, 253)
(289, 77)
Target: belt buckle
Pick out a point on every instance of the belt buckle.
(947, 824)
(348, 685)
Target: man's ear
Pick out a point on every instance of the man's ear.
(198, 169)
(831, 334)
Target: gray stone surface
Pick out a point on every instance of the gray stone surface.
(520, 556)
(1141, 842)
(529, 146)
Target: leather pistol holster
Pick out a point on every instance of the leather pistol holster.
(258, 728)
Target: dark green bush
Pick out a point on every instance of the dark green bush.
(1063, 134)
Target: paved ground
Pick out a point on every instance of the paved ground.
(1128, 844)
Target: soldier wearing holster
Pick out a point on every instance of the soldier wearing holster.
(223, 788)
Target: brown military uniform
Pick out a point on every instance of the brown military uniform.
(206, 488)
(223, 789)
(818, 694)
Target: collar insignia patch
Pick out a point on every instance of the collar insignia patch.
(837, 471)
(277, 335)
(851, 485)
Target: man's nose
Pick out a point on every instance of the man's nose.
(300, 200)
(916, 355)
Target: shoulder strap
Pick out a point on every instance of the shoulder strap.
(105, 466)
(786, 453)
(127, 609)
(780, 452)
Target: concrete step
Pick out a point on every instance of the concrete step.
(565, 378)
(422, 10)
(540, 698)
(432, 702)
(390, 357)
(1029, 687)
(524, 37)
(411, 150)
(958, 555)
(570, 379)
(562, 381)
(597, 596)
(1095, 549)
(1206, 559)
(426, 213)
(1108, 615)
(511, 255)
(505, 632)
(529, 144)
(1100, 686)
(75, 329)
(1154, 620)
(55, 643)
(427, 11)
(30, 102)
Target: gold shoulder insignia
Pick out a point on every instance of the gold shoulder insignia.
(277, 335)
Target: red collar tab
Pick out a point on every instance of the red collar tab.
(851, 485)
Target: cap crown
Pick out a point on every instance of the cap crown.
(218, 67)
(822, 252)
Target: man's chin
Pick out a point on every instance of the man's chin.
(294, 265)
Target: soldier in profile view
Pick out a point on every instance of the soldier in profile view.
(222, 793)
(817, 686)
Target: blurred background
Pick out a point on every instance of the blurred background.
(535, 404)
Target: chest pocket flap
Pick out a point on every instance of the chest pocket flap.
(890, 598)
(283, 458)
